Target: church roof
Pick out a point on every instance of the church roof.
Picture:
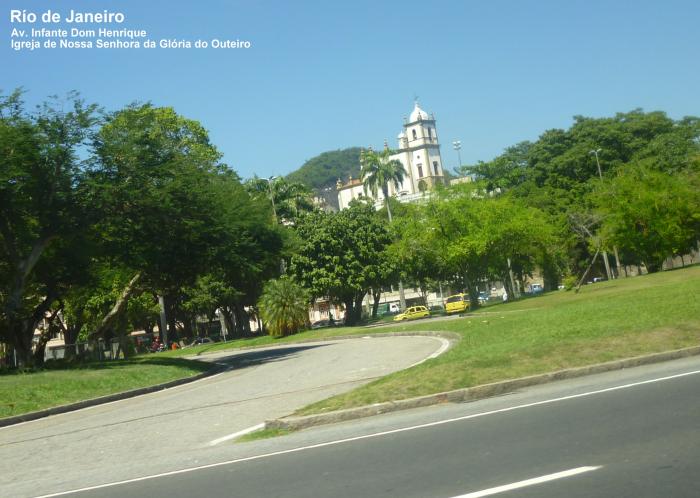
(418, 114)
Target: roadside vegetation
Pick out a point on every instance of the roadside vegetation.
(560, 329)
(123, 221)
(61, 384)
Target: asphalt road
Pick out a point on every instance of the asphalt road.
(631, 433)
(188, 425)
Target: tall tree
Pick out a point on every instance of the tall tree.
(175, 212)
(340, 255)
(44, 232)
(650, 214)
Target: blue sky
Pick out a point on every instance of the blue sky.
(325, 75)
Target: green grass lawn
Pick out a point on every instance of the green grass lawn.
(605, 321)
(26, 392)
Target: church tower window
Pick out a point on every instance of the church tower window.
(415, 135)
(430, 133)
(420, 170)
(435, 167)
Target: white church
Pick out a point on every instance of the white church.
(418, 151)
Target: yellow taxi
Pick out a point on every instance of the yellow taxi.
(457, 303)
(412, 313)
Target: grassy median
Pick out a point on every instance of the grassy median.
(605, 321)
(23, 392)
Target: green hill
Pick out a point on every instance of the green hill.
(322, 171)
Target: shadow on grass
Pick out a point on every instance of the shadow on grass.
(54, 365)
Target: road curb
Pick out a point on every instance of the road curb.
(474, 393)
(27, 417)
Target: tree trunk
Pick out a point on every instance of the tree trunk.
(70, 334)
(22, 271)
(580, 282)
(350, 316)
(473, 292)
(228, 320)
(507, 285)
(21, 331)
(70, 337)
(359, 297)
(117, 309)
(243, 320)
(653, 267)
(376, 295)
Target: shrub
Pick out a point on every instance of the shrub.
(284, 307)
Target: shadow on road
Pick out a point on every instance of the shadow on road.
(252, 358)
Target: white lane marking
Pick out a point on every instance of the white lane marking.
(236, 434)
(528, 482)
(444, 346)
(371, 436)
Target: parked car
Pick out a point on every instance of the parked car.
(536, 288)
(484, 297)
(202, 340)
(413, 313)
(456, 303)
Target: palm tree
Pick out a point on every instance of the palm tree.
(284, 307)
(378, 171)
(289, 199)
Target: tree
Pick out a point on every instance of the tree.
(289, 199)
(175, 212)
(45, 234)
(378, 171)
(557, 173)
(341, 255)
(415, 251)
(650, 214)
(467, 237)
(284, 307)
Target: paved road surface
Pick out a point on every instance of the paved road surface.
(632, 433)
(173, 429)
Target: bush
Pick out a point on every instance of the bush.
(284, 307)
(569, 282)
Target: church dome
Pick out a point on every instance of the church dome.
(401, 135)
(418, 114)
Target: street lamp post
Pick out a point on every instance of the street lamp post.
(605, 254)
(457, 145)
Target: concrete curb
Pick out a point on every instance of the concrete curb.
(26, 417)
(473, 393)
